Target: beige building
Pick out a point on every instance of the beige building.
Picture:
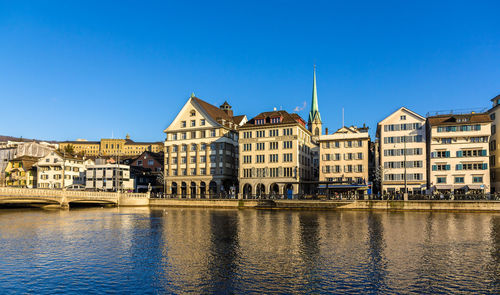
(344, 162)
(201, 150)
(402, 152)
(112, 147)
(458, 149)
(494, 141)
(276, 155)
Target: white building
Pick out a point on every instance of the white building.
(458, 149)
(102, 176)
(402, 147)
(54, 167)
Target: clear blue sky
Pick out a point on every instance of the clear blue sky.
(87, 69)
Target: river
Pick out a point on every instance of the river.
(206, 251)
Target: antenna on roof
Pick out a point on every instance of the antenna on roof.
(342, 117)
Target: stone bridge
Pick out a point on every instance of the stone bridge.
(65, 198)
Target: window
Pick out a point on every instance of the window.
(260, 133)
(247, 147)
(212, 133)
(459, 179)
(247, 159)
(273, 132)
(193, 113)
(276, 120)
(174, 136)
(183, 124)
(184, 171)
(260, 146)
(273, 145)
(260, 159)
(477, 179)
(203, 146)
(184, 147)
(193, 134)
(202, 122)
(183, 135)
(203, 159)
(259, 121)
(273, 158)
(287, 144)
(193, 147)
(193, 171)
(174, 160)
(174, 149)
(287, 157)
(203, 171)
(183, 160)
(151, 162)
(193, 159)
(139, 163)
(193, 123)
(287, 131)
(441, 179)
(402, 118)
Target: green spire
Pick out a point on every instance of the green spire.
(314, 113)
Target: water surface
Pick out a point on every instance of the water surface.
(203, 251)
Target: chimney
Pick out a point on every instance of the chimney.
(326, 131)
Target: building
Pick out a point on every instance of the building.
(458, 149)
(314, 123)
(344, 158)
(11, 150)
(147, 172)
(402, 152)
(20, 172)
(111, 147)
(61, 170)
(103, 176)
(276, 155)
(494, 140)
(201, 150)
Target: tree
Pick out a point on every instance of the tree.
(69, 149)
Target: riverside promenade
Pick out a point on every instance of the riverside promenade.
(66, 198)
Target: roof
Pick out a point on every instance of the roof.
(452, 119)
(496, 97)
(213, 111)
(69, 156)
(28, 161)
(80, 142)
(287, 118)
(238, 119)
(314, 113)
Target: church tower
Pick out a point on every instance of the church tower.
(314, 123)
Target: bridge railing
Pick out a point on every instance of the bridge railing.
(31, 192)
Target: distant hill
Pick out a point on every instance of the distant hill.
(4, 138)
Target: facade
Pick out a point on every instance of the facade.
(111, 147)
(107, 177)
(58, 170)
(402, 152)
(494, 141)
(147, 172)
(458, 149)
(276, 155)
(201, 150)
(344, 158)
(20, 172)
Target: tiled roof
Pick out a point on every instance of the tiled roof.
(287, 118)
(216, 113)
(452, 119)
(238, 119)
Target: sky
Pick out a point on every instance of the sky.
(102, 69)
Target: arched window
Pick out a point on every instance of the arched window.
(316, 131)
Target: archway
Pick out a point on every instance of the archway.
(260, 190)
(247, 191)
(174, 189)
(212, 188)
(193, 190)
(183, 189)
(274, 189)
(203, 189)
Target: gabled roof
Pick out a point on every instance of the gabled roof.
(239, 119)
(214, 112)
(461, 119)
(402, 109)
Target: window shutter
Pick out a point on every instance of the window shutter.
(485, 166)
(448, 167)
(434, 167)
(459, 167)
(447, 154)
(460, 153)
(484, 152)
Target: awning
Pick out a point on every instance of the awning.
(444, 186)
(339, 186)
(475, 186)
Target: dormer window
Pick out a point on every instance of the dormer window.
(276, 120)
(259, 121)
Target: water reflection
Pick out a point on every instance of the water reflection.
(202, 251)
